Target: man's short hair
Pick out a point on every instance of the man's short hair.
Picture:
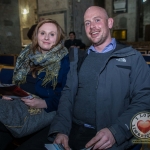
(72, 32)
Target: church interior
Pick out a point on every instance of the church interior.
(131, 20)
(131, 25)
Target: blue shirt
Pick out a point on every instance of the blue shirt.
(111, 46)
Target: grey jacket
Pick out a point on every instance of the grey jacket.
(123, 90)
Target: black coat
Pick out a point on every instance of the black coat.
(75, 42)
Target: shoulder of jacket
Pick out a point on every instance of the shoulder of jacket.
(124, 49)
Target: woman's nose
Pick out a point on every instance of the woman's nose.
(46, 37)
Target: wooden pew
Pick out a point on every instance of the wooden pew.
(8, 59)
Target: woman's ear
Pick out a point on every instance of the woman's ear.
(110, 23)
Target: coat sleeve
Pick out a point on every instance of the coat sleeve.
(139, 96)
(63, 119)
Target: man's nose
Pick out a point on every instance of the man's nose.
(92, 25)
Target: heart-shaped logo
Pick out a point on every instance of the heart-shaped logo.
(143, 126)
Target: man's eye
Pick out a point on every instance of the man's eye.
(87, 24)
(97, 20)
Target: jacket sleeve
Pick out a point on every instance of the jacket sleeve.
(63, 119)
(139, 97)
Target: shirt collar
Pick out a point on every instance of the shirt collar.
(109, 47)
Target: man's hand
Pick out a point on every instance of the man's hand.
(62, 139)
(103, 140)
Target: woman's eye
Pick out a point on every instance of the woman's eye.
(52, 34)
(42, 33)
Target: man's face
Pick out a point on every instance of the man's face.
(71, 36)
(97, 25)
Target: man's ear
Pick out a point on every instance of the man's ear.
(110, 23)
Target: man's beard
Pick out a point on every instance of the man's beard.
(101, 41)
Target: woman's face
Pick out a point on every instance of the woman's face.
(47, 36)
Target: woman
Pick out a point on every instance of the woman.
(47, 59)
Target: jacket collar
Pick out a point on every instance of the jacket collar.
(123, 50)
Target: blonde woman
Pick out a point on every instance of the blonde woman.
(47, 60)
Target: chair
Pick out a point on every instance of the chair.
(146, 57)
(7, 59)
(6, 76)
(142, 52)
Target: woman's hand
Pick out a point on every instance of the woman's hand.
(7, 98)
(35, 102)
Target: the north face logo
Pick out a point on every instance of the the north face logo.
(121, 59)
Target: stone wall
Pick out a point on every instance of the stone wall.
(146, 12)
(146, 19)
(27, 20)
(10, 41)
(79, 9)
(124, 20)
(59, 10)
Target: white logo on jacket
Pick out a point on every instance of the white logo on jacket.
(121, 59)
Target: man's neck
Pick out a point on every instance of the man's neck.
(101, 47)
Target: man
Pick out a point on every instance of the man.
(103, 93)
(73, 42)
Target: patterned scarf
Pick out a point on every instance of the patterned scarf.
(50, 63)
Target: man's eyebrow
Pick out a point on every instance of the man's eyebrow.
(97, 17)
(94, 18)
(87, 20)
